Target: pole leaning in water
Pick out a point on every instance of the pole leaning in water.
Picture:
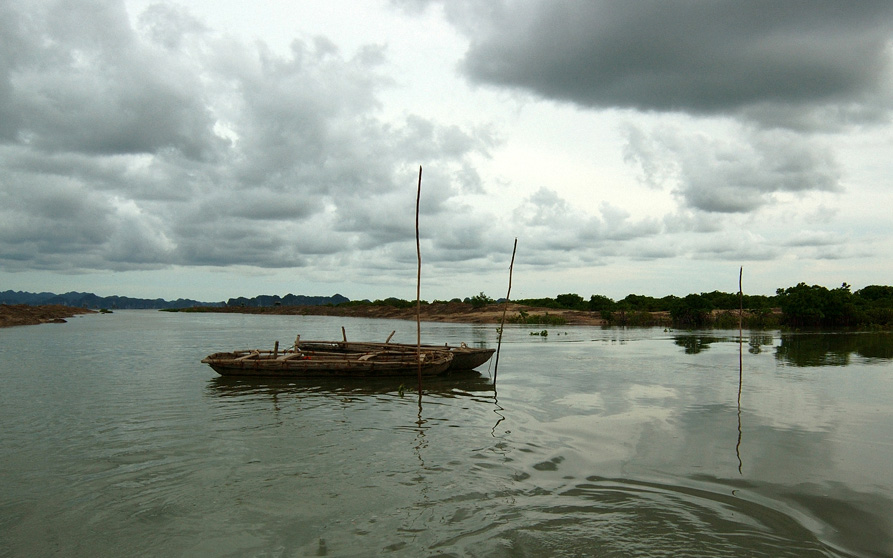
(504, 309)
(418, 287)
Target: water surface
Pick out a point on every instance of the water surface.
(117, 441)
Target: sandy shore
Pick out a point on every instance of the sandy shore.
(454, 312)
(23, 314)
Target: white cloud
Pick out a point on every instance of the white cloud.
(733, 173)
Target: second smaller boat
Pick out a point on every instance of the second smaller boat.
(329, 362)
(464, 357)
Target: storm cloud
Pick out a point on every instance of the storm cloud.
(696, 57)
(778, 75)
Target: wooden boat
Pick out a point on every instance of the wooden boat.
(464, 357)
(325, 362)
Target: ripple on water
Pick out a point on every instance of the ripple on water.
(623, 517)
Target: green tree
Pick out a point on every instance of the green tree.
(876, 296)
(599, 303)
(640, 303)
(802, 304)
(395, 302)
(840, 307)
(692, 311)
(722, 301)
(876, 304)
(816, 306)
(571, 301)
(479, 300)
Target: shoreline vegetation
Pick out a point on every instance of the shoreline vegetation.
(800, 307)
(516, 313)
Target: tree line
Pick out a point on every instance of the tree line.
(801, 306)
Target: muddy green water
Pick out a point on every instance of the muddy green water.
(116, 441)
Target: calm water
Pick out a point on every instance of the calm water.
(116, 441)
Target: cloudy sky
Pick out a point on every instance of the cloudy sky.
(216, 148)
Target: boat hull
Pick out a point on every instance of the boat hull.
(464, 357)
(469, 358)
(308, 364)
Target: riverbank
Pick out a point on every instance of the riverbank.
(23, 314)
(462, 312)
(452, 312)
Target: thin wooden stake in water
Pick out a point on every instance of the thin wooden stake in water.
(418, 287)
(740, 337)
(504, 310)
(740, 362)
(740, 302)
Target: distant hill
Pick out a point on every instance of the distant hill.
(90, 300)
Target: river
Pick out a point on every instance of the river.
(587, 441)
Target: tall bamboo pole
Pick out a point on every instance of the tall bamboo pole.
(418, 288)
(504, 310)
(740, 334)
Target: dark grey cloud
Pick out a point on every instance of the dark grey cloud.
(776, 72)
(50, 215)
(84, 82)
(691, 56)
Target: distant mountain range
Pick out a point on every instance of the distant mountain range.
(90, 300)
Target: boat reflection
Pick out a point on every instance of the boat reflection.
(453, 384)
